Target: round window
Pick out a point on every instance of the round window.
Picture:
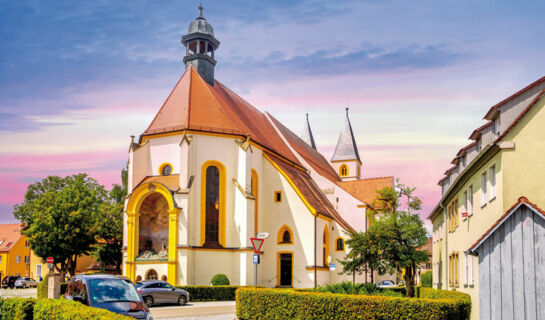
(166, 169)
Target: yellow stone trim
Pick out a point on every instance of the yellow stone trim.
(222, 202)
(276, 194)
(280, 235)
(344, 244)
(278, 266)
(341, 174)
(255, 192)
(312, 210)
(325, 245)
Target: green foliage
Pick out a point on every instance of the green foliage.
(393, 241)
(220, 280)
(42, 288)
(210, 293)
(60, 218)
(60, 309)
(426, 279)
(17, 308)
(290, 304)
(347, 287)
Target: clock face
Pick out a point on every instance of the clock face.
(167, 170)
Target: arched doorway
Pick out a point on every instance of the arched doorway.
(151, 275)
(153, 229)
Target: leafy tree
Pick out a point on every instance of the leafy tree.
(392, 241)
(59, 216)
(110, 226)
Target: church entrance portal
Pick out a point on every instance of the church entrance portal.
(286, 269)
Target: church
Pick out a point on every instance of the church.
(211, 171)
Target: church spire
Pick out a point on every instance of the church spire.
(307, 135)
(200, 45)
(347, 148)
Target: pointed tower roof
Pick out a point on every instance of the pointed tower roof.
(307, 135)
(346, 145)
(196, 105)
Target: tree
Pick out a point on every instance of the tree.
(110, 226)
(400, 232)
(59, 217)
(392, 241)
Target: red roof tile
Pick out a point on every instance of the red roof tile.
(9, 235)
(172, 182)
(365, 190)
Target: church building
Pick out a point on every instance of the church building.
(212, 171)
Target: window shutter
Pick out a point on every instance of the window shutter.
(471, 275)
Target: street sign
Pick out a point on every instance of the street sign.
(328, 259)
(332, 267)
(257, 243)
(465, 214)
(256, 258)
(262, 235)
(49, 260)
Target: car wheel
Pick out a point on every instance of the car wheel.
(148, 301)
(24, 286)
(182, 300)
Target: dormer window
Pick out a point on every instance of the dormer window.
(478, 145)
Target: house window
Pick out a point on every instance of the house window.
(18, 259)
(471, 277)
(278, 196)
(453, 270)
(466, 201)
(484, 180)
(285, 235)
(325, 246)
(470, 200)
(213, 204)
(343, 170)
(38, 270)
(452, 215)
(27, 259)
(165, 169)
(339, 244)
(492, 182)
(27, 244)
(464, 161)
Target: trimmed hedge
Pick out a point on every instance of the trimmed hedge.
(210, 293)
(291, 304)
(17, 308)
(61, 309)
(426, 279)
(220, 280)
(42, 288)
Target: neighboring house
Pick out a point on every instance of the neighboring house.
(14, 251)
(211, 171)
(427, 266)
(38, 268)
(502, 164)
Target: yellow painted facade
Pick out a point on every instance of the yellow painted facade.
(13, 261)
(517, 160)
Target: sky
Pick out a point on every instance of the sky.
(78, 78)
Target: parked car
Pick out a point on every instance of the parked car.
(9, 282)
(25, 282)
(157, 292)
(386, 284)
(114, 293)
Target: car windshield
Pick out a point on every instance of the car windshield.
(112, 290)
(139, 284)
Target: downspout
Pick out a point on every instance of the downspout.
(315, 272)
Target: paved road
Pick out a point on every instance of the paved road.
(219, 310)
(20, 293)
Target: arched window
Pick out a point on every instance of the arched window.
(343, 170)
(325, 246)
(339, 244)
(285, 236)
(151, 275)
(213, 204)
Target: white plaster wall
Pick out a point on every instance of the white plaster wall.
(164, 149)
(139, 165)
(161, 268)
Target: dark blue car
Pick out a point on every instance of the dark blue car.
(113, 293)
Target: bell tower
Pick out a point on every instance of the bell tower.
(200, 45)
(346, 159)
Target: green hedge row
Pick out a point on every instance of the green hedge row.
(291, 304)
(52, 309)
(210, 293)
(17, 308)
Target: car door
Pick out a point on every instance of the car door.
(171, 296)
(154, 290)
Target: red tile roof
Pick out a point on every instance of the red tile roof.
(9, 234)
(518, 93)
(310, 155)
(310, 191)
(476, 134)
(365, 190)
(503, 218)
(172, 182)
(195, 105)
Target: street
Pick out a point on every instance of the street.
(218, 310)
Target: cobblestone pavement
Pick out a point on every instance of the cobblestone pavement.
(21, 293)
(219, 310)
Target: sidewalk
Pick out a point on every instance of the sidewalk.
(217, 310)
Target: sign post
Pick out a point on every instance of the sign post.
(257, 243)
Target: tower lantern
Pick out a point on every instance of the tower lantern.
(200, 45)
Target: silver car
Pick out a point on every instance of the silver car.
(25, 282)
(157, 292)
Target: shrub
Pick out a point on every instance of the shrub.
(220, 280)
(17, 308)
(347, 287)
(426, 279)
(42, 288)
(60, 309)
(291, 304)
(208, 293)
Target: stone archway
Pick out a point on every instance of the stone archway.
(151, 274)
(153, 229)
